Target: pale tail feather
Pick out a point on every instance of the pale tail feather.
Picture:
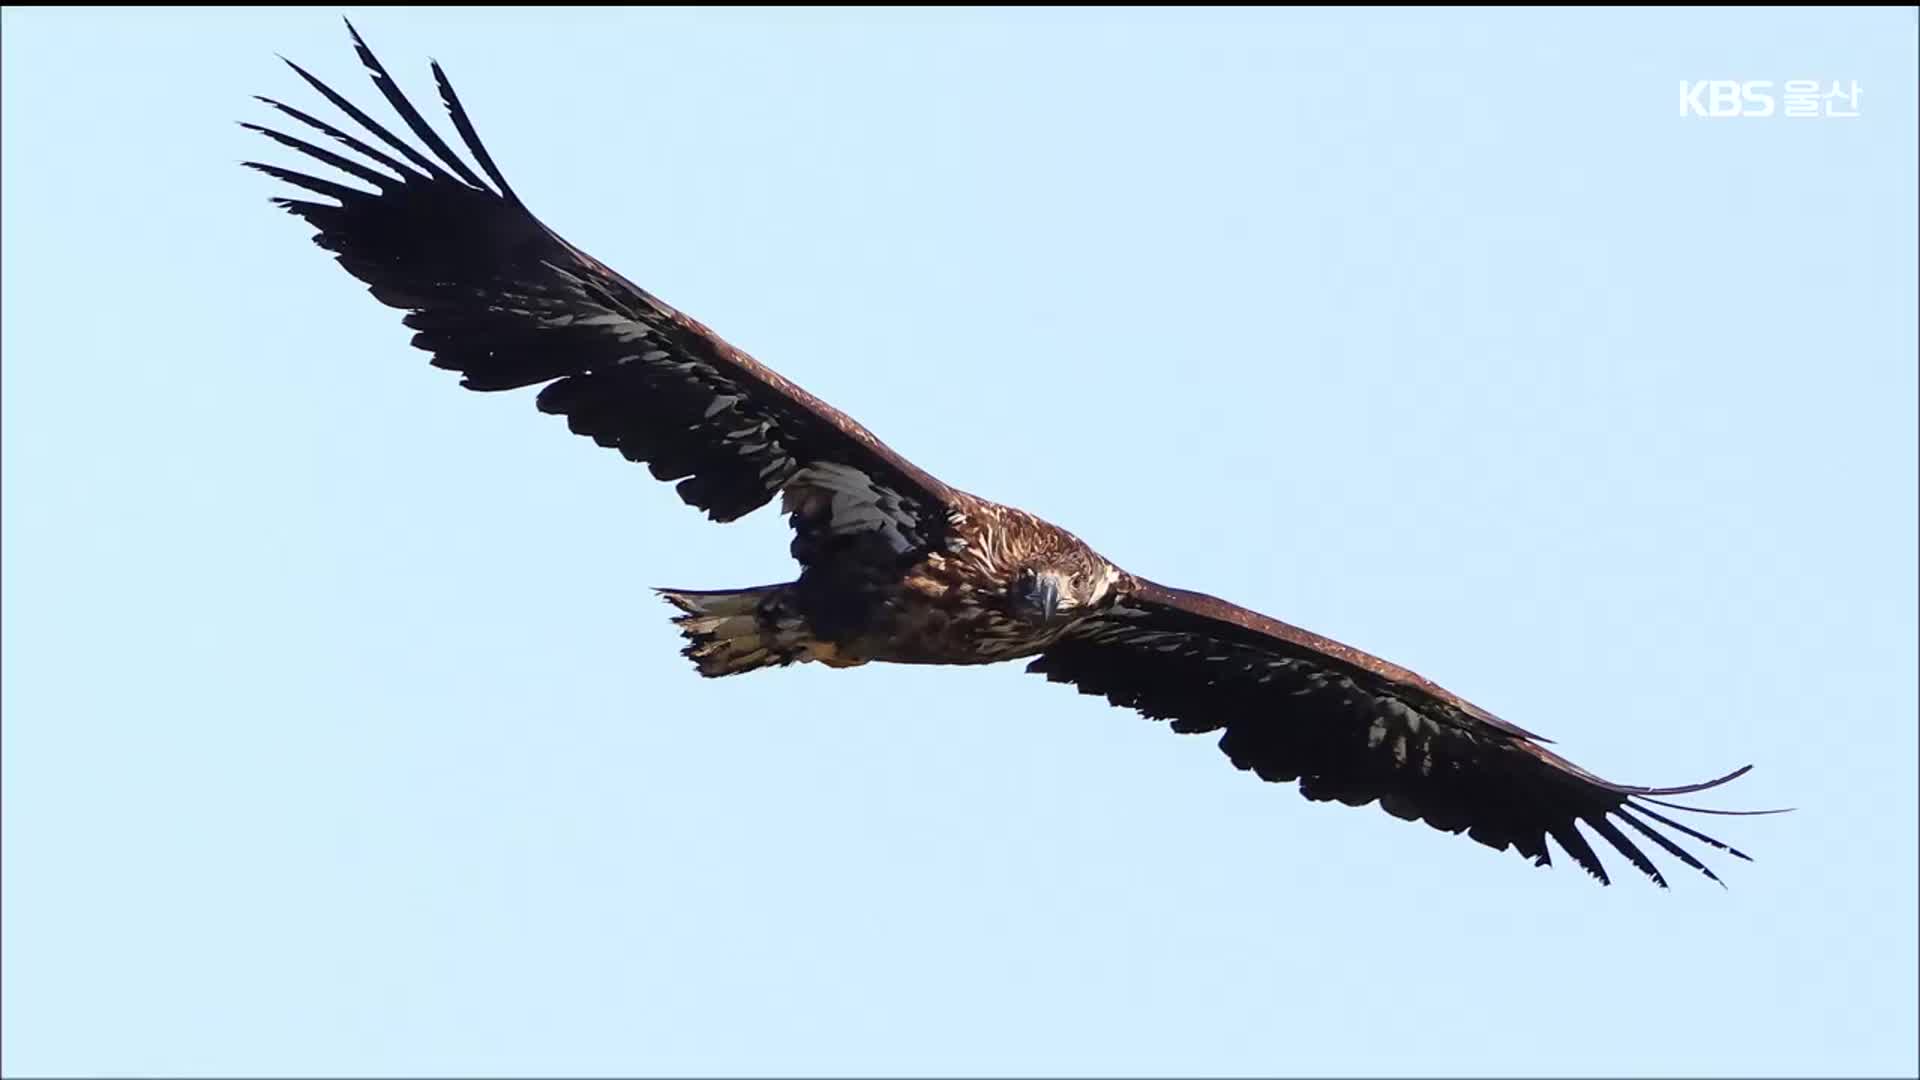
(735, 631)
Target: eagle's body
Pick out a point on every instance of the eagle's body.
(881, 584)
(896, 566)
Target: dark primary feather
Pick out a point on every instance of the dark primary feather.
(498, 297)
(1291, 705)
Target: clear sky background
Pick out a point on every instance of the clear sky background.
(343, 734)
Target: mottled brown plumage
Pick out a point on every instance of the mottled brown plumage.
(896, 566)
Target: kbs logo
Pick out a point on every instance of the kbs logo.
(1802, 98)
(1725, 97)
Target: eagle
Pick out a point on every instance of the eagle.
(896, 566)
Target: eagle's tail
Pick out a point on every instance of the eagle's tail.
(740, 630)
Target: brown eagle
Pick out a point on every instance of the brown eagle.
(896, 566)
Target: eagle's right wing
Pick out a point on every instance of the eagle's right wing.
(1292, 705)
(498, 297)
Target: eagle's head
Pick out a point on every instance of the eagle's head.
(1060, 590)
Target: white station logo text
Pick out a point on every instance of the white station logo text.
(1799, 99)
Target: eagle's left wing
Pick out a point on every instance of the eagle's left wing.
(500, 298)
(1352, 727)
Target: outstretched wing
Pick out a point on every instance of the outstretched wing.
(498, 297)
(1354, 728)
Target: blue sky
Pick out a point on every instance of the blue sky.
(343, 734)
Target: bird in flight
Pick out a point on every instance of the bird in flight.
(894, 565)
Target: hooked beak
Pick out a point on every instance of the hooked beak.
(1046, 596)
